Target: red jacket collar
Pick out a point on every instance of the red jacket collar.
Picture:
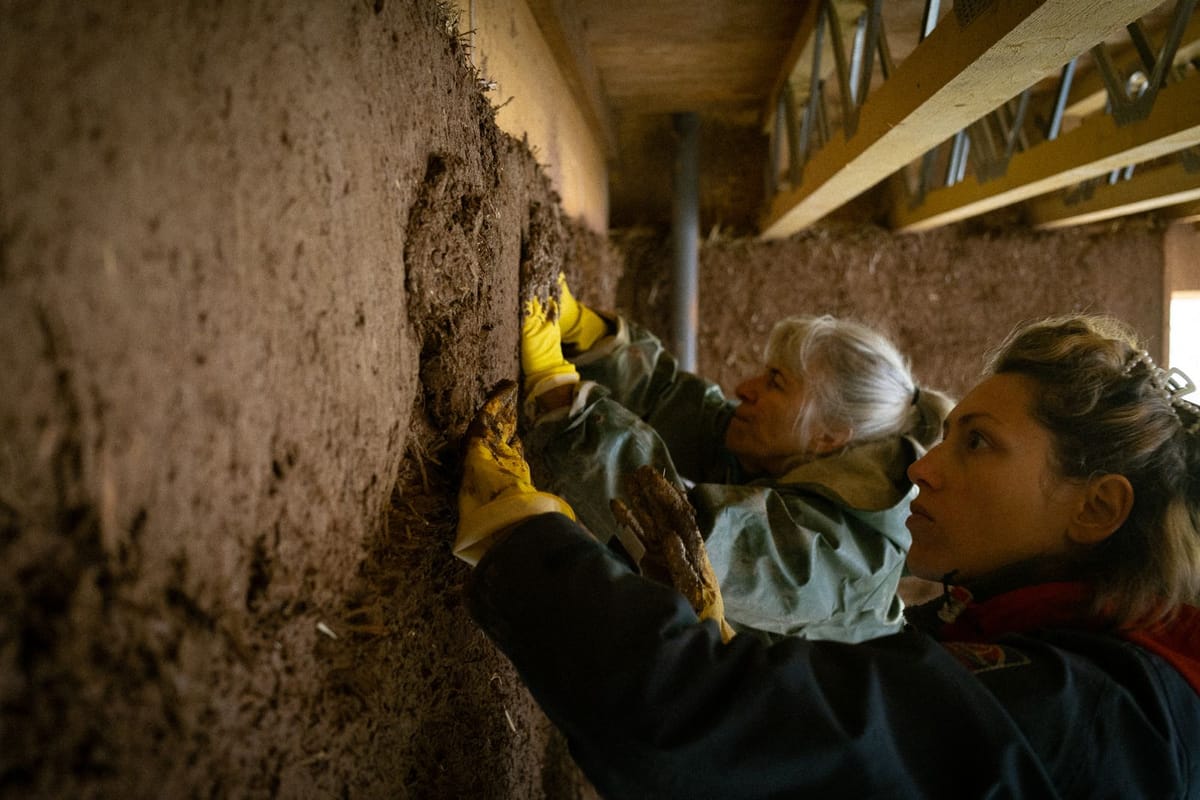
(1066, 605)
(1178, 642)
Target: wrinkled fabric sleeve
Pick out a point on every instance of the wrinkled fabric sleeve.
(586, 457)
(794, 563)
(689, 413)
(654, 705)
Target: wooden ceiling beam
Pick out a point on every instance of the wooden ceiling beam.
(1184, 212)
(564, 34)
(1147, 190)
(954, 77)
(1096, 147)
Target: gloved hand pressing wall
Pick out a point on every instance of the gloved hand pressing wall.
(497, 491)
(550, 379)
(581, 327)
(665, 522)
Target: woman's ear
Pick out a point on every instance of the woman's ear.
(830, 441)
(1106, 502)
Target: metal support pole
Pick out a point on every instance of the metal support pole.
(685, 228)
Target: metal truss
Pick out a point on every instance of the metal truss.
(939, 124)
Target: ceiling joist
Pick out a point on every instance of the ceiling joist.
(954, 77)
(1147, 190)
(1184, 212)
(1096, 147)
(564, 33)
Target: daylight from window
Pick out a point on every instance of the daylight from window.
(1185, 334)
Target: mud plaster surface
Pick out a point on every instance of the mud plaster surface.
(258, 266)
(945, 297)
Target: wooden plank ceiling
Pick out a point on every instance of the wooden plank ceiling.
(629, 61)
(681, 55)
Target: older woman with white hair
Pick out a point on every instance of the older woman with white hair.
(799, 485)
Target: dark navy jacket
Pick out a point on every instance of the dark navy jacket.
(654, 706)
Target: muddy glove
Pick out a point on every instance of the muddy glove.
(550, 379)
(496, 491)
(661, 516)
(581, 327)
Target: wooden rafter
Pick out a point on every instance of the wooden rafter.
(1184, 212)
(563, 32)
(954, 77)
(1147, 190)
(1094, 148)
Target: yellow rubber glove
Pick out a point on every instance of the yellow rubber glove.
(542, 359)
(581, 327)
(496, 491)
(660, 516)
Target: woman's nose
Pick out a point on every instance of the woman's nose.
(923, 471)
(747, 390)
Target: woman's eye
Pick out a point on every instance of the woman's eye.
(975, 440)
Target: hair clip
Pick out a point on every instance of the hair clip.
(1177, 383)
(1172, 384)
